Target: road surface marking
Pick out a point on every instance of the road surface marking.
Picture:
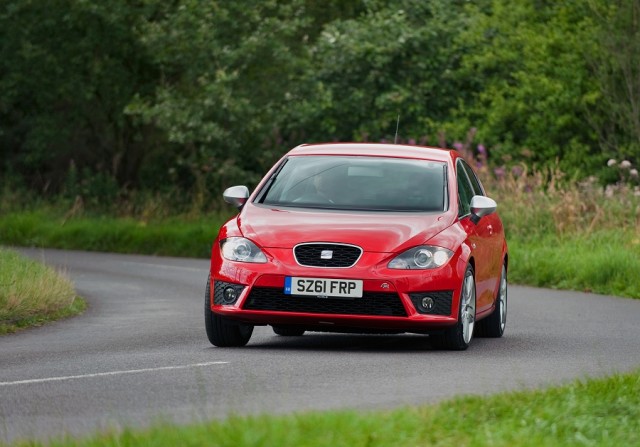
(110, 373)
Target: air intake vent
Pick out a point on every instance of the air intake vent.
(371, 303)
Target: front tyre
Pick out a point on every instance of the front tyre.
(493, 326)
(221, 331)
(458, 337)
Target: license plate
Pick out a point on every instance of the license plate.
(322, 287)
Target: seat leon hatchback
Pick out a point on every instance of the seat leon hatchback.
(361, 238)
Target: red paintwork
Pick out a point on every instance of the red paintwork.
(376, 232)
(382, 236)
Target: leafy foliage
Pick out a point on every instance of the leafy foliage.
(68, 70)
(617, 73)
(531, 84)
(98, 100)
(394, 59)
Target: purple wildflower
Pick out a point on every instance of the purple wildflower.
(517, 171)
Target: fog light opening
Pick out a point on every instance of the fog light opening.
(428, 303)
(230, 295)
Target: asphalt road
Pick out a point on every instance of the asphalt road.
(140, 354)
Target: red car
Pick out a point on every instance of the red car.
(364, 238)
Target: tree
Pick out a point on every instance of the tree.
(615, 114)
(395, 58)
(229, 72)
(69, 68)
(525, 63)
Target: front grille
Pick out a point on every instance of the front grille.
(441, 301)
(342, 256)
(371, 303)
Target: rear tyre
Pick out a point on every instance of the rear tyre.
(493, 326)
(288, 331)
(458, 337)
(221, 331)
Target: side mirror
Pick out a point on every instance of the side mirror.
(236, 195)
(482, 206)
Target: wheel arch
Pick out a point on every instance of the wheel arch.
(472, 263)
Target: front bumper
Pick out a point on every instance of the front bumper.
(390, 302)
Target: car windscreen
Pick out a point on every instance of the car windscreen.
(358, 183)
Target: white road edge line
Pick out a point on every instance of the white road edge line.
(110, 373)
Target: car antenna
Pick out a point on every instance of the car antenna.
(395, 140)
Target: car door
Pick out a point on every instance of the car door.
(483, 238)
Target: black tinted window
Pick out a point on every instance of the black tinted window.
(465, 190)
(475, 183)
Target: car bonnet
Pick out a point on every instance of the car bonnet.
(385, 232)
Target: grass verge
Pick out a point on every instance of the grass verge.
(601, 412)
(32, 294)
(170, 237)
(605, 262)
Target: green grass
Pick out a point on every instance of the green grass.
(171, 237)
(606, 262)
(604, 412)
(32, 294)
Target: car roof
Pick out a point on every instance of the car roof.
(375, 150)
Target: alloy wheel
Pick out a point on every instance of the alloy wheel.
(468, 307)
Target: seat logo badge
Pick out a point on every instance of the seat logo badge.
(326, 254)
(384, 285)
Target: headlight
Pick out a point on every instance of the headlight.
(423, 257)
(242, 250)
